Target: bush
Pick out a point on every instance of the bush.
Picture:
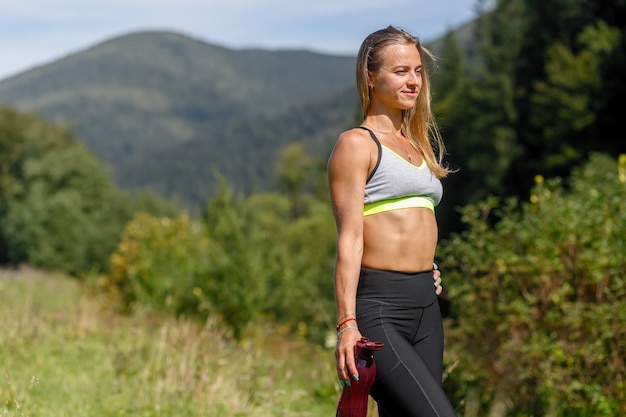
(539, 298)
(246, 261)
(158, 263)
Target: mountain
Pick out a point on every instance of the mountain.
(137, 93)
(168, 111)
(244, 151)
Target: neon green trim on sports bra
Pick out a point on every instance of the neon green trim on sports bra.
(398, 203)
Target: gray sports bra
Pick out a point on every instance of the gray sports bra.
(396, 184)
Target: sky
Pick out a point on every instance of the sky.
(37, 32)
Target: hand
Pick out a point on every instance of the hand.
(437, 279)
(344, 355)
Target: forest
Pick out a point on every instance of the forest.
(533, 236)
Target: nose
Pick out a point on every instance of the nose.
(414, 79)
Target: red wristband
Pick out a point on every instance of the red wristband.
(344, 322)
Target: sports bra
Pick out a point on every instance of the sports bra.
(396, 184)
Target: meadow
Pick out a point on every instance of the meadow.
(66, 351)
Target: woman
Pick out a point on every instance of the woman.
(384, 181)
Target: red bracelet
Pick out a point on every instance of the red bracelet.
(345, 321)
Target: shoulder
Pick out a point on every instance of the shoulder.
(355, 142)
(352, 158)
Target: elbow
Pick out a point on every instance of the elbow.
(349, 249)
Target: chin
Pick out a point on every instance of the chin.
(406, 104)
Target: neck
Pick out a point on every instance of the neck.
(385, 126)
(383, 118)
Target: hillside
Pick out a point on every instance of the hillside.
(141, 91)
(167, 111)
(244, 151)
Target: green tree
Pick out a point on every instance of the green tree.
(542, 94)
(245, 252)
(264, 262)
(59, 208)
(296, 176)
(452, 86)
(566, 106)
(487, 139)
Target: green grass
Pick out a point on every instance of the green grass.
(66, 352)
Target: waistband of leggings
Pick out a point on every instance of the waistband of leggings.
(394, 271)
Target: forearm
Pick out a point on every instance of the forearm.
(347, 270)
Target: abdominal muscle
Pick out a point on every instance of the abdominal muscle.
(400, 240)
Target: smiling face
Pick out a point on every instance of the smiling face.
(398, 81)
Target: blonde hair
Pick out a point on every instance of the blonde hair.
(418, 123)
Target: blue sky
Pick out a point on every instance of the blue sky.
(36, 32)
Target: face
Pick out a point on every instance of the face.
(399, 80)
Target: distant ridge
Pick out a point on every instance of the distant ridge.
(167, 111)
(150, 89)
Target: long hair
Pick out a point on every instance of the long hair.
(418, 123)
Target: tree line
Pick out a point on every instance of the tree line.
(59, 208)
(540, 94)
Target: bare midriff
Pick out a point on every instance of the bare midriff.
(401, 240)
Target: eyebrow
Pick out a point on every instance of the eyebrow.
(404, 66)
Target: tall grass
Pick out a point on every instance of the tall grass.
(66, 352)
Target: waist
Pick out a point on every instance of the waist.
(411, 289)
(398, 203)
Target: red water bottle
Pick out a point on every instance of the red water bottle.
(353, 401)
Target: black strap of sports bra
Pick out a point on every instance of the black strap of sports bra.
(380, 152)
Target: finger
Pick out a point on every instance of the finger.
(343, 360)
(438, 287)
(438, 280)
(341, 363)
(352, 372)
(341, 374)
(344, 379)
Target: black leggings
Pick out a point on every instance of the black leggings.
(401, 310)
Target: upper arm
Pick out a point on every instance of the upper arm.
(348, 169)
